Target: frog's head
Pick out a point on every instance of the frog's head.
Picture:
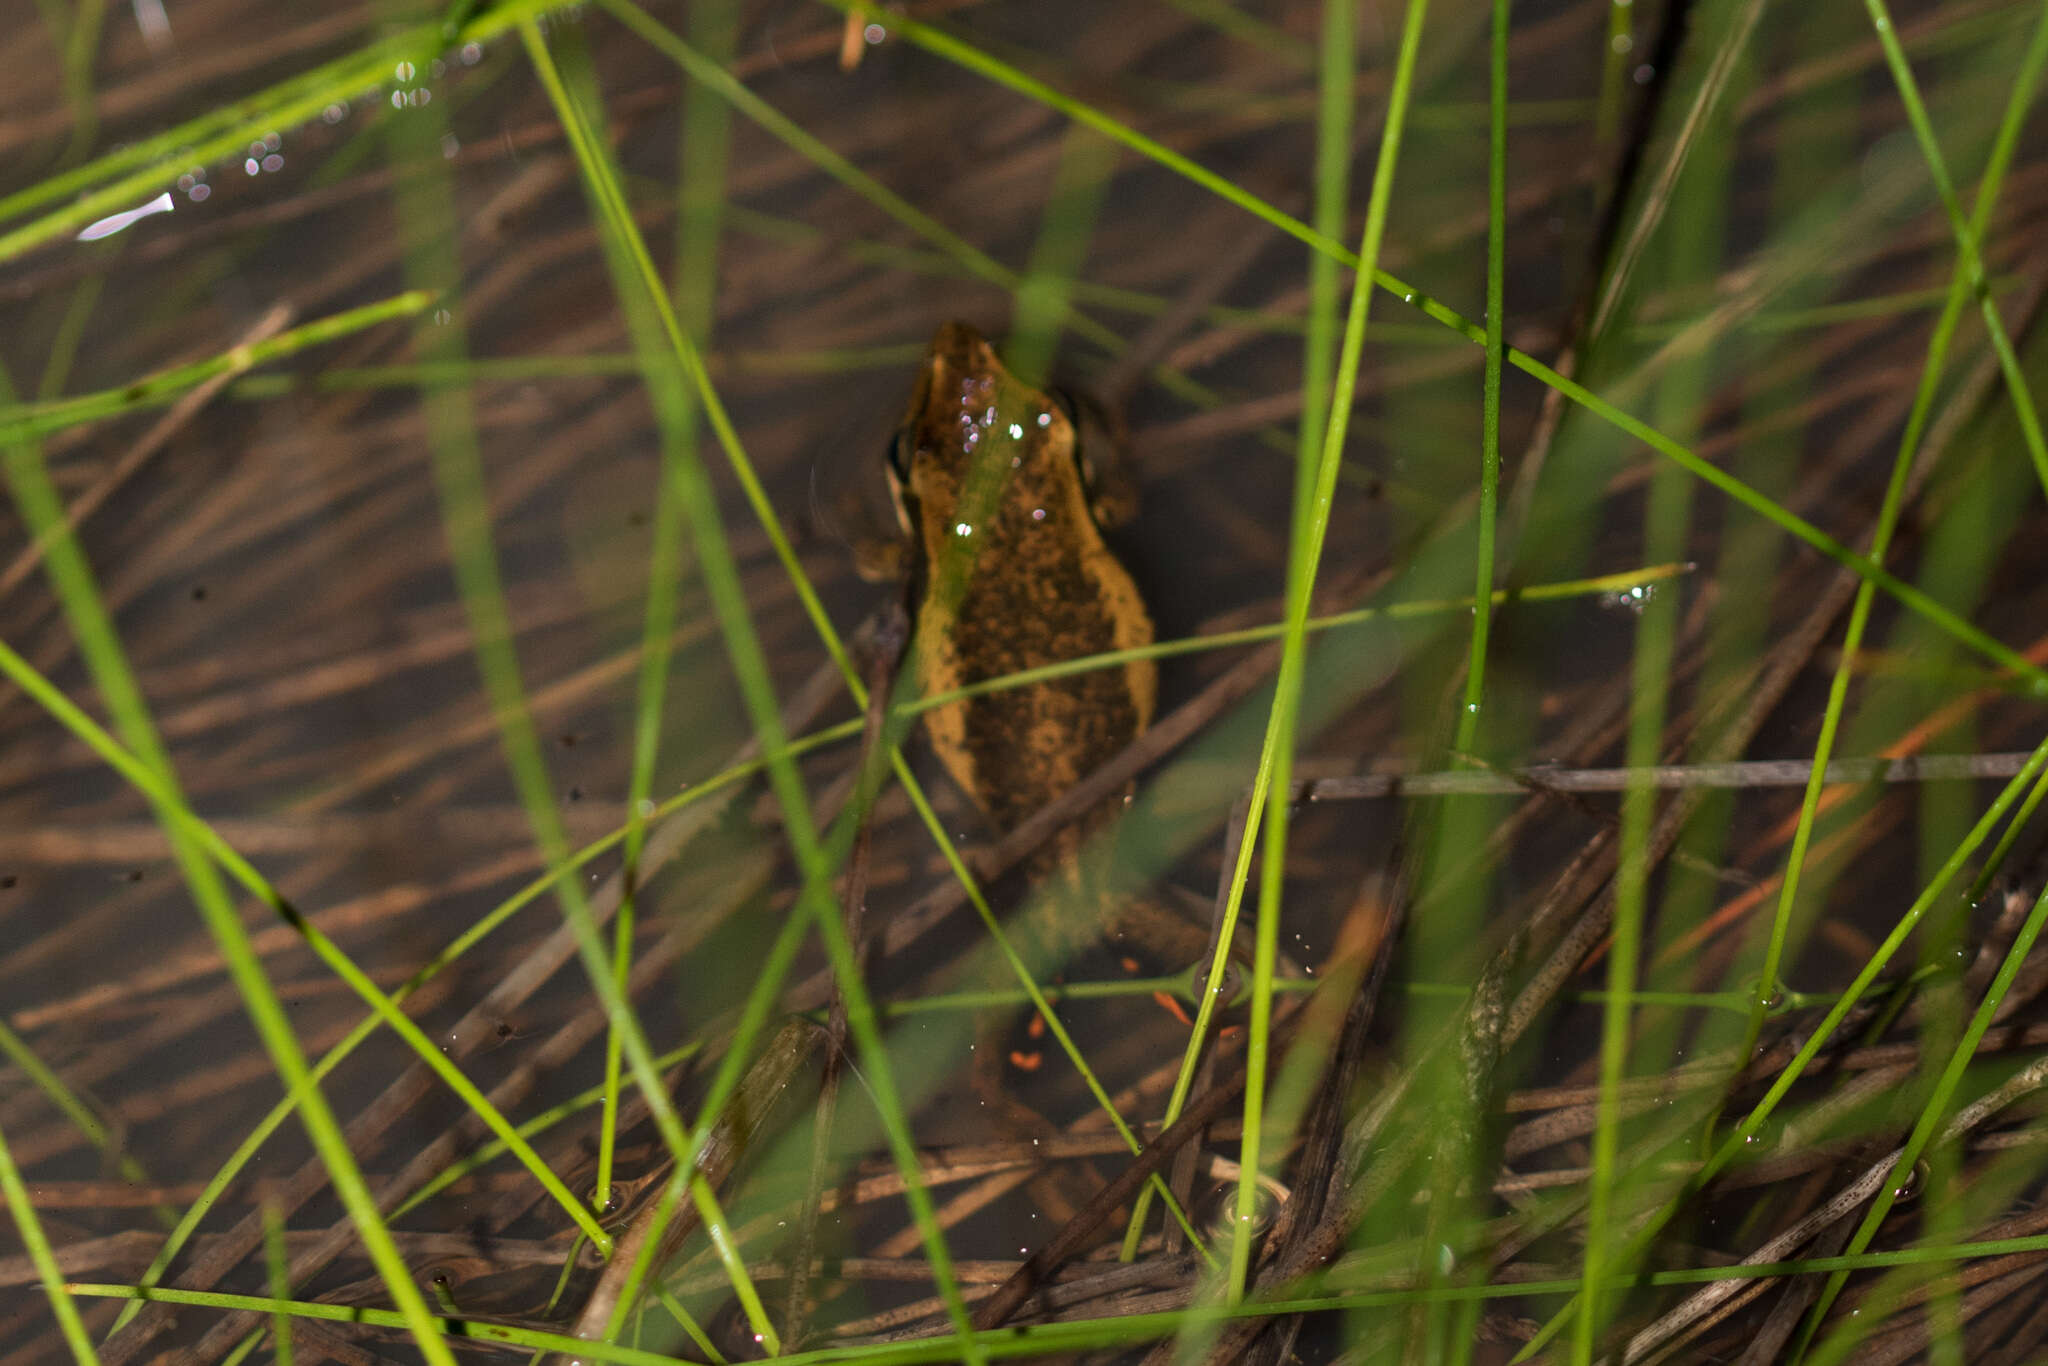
(954, 404)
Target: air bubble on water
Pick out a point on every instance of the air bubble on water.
(450, 145)
(1623, 43)
(334, 113)
(403, 71)
(273, 163)
(873, 34)
(1631, 600)
(1016, 431)
(472, 53)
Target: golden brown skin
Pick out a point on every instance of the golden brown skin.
(1041, 586)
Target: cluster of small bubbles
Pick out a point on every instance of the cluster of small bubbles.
(263, 155)
(334, 113)
(408, 95)
(193, 185)
(1631, 600)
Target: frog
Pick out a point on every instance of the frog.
(1012, 573)
(1002, 508)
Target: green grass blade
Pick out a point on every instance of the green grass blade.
(43, 1257)
(32, 421)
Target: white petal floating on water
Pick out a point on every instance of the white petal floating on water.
(114, 222)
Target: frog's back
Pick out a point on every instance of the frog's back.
(1044, 588)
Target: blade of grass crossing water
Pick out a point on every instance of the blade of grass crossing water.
(1335, 73)
(27, 422)
(41, 510)
(277, 1267)
(43, 1257)
(1693, 205)
(674, 404)
(1276, 761)
(1453, 1185)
